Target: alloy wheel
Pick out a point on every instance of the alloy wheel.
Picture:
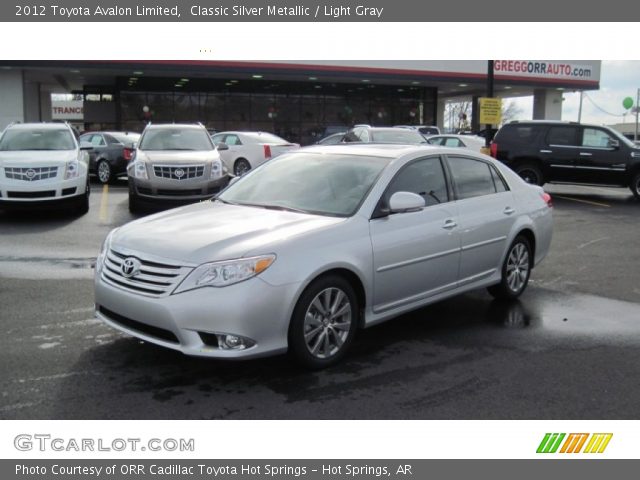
(327, 323)
(517, 267)
(104, 172)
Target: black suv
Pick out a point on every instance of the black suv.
(567, 152)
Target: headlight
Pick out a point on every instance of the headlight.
(72, 170)
(216, 169)
(222, 274)
(104, 249)
(140, 170)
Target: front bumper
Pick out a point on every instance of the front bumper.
(15, 192)
(252, 309)
(176, 191)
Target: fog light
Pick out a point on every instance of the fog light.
(233, 342)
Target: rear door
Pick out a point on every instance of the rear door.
(560, 152)
(486, 213)
(416, 254)
(599, 159)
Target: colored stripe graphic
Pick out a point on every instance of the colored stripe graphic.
(574, 443)
(598, 442)
(550, 442)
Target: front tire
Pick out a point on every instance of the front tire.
(530, 173)
(635, 185)
(324, 322)
(83, 200)
(516, 270)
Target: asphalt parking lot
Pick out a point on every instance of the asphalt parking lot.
(569, 348)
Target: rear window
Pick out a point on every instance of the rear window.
(268, 138)
(397, 136)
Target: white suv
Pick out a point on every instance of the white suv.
(42, 163)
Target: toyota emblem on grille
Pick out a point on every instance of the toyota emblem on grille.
(130, 267)
(179, 173)
(30, 173)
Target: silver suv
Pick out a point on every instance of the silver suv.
(174, 163)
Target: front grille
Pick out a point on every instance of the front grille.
(153, 279)
(180, 193)
(30, 174)
(157, 332)
(39, 194)
(178, 172)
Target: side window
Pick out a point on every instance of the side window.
(473, 178)
(498, 181)
(564, 136)
(453, 142)
(232, 139)
(352, 136)
(86, 138)
(111, 140)
(424, 177)
(435, 140)
(97, 141)
(594, 137)
(218, 138)
(364, 135)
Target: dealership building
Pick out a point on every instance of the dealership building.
(297, 100)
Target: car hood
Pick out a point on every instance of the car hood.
(213, 231)
(37, 158)
(178, 156)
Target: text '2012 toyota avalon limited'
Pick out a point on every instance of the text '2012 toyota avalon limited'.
(311, 246)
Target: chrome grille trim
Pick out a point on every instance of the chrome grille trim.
(157, 277)
(36, 173)
(169, 171)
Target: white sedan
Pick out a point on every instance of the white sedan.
(472, 142)
(242, 151)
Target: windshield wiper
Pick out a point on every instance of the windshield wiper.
(273, 207)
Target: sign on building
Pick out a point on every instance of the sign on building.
(67, 110)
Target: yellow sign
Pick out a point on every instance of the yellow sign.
(490, 111)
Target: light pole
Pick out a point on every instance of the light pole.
(635, 136)
(580, 108)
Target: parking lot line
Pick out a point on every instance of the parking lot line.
(104, 204)
(588, 202)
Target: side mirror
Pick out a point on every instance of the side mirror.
(86, 146)
(615, 144)
(401, 202)
(221, 146)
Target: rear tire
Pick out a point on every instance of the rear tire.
(104, 171)
(635, 185)
(241, 167)
(516, 270)
(530, 173)
(324, 322)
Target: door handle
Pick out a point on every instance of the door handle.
(449, 224)
(508, 211)
(546, 151)
(585, 154)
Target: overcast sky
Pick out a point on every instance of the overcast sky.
(618, 79)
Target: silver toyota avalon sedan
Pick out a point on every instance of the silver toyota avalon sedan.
(311, 246)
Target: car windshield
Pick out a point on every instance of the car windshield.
(323, 184)
(38, 139)
(397, 136)
(176, 139)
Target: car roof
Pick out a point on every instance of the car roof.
(155, 126)
(553, 122)
(386, 150)
(39, 126)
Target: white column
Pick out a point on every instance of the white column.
(547, 104)
(11, 97)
